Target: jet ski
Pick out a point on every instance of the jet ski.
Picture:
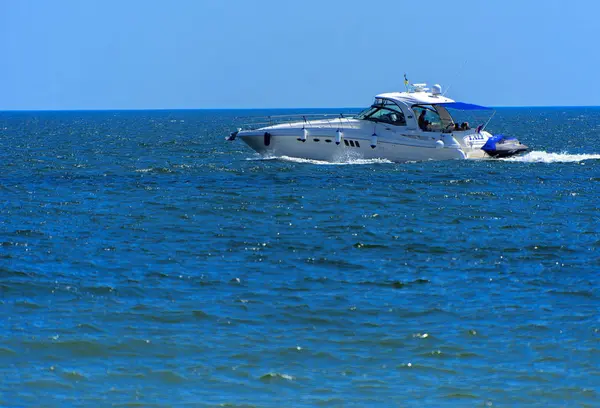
(500, 146)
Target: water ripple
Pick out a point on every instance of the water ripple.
(143, 262)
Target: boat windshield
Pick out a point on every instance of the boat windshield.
(431, 114)
(384, 111)
(436, 117)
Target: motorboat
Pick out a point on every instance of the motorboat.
(413, 125)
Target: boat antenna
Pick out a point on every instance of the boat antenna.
(460, 71)
(486, 123)
(405, 82)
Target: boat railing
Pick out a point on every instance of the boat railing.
(333, 120)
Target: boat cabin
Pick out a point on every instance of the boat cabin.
(405, 108)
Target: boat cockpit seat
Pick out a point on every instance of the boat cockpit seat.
(388, 118)
(397, 119)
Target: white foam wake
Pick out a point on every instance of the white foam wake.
(342, 162)
(545, 157)
(531, 157)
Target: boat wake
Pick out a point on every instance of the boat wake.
(340, 162)
(545, 157)
(531, 157)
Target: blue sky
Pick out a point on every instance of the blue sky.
(134, 54)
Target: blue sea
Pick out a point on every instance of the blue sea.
(144, 261)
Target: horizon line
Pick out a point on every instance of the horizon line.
(251, 109)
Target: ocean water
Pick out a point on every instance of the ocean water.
(146, 262)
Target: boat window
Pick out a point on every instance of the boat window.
(431, 115)
(384, 111)
(446, 118)
(386, 115)
(367, 112)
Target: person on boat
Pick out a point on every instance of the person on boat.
(423, 123)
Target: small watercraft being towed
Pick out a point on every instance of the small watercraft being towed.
(500, 146)
(399, 126)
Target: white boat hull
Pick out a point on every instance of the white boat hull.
(320, 144)
(290, 146)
